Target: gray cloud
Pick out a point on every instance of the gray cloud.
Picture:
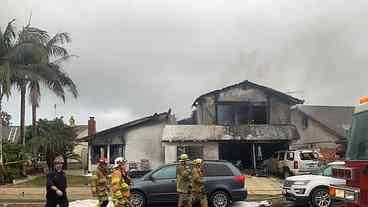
(140, 57)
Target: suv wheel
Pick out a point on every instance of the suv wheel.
(321, 198)
(220, 199)
(137, 199)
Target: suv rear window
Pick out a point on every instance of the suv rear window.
(211, 170)
(275, 155)
(290, 156)
(308, 156)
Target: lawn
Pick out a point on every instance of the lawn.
(73, 181)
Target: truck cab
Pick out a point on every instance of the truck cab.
(355, 171)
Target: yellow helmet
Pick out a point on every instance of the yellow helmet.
(183, 157)
(124, 187)
(197, 162)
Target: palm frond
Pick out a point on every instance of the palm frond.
(59, 38)
(57, 88)
(33, 34)
(5, 79)
(57, 51)
(65, 80)
(9, 34)
(64, 59)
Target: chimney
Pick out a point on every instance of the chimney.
(91, 126)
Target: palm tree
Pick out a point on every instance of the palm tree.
(33, 58)
(49, 73)
(6, 40)
(15, 53)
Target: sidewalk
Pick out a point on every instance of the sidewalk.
(258, 189)
(263, 186)
(37, 194)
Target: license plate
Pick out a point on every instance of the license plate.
(340, 193)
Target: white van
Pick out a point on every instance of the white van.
(294, 162)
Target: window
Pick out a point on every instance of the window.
(327, 171)
(241, 113)
(282, 156)
(97, 152)
(308, 156)
(305, 122)
(290, 156)
(116, 150)
(168, 172)
(225, 115)
(211, 170)
(275, 155)
(193, 151)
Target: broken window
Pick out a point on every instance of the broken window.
(241, 113)
(225, 115)
(193, 151)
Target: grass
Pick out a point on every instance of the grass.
(73, 181)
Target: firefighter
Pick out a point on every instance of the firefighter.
(183, 182)
(198, 190)
(120, 184)
(100, 183)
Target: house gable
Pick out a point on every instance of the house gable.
(273, 105)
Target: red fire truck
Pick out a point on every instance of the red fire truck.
(355, 171)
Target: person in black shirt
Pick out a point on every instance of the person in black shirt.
(56, 185)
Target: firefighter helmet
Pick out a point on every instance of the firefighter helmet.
(197, 162)
(119, 161)
(183, 157)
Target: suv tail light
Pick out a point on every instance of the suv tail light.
(240, 179)
(296, 164)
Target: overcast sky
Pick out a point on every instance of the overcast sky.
(138, 57)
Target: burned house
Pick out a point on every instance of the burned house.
(244, 122)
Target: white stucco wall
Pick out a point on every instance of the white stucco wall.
(170, 152)
(144, 142)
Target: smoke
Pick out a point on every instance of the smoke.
(140, 57)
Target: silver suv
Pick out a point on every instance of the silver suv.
(223, 181)
(293, 162)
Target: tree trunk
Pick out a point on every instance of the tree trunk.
(2, 170)
(65, 166)
(50, 160)
(23, 90)
(34, 120)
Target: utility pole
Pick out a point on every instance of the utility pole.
(2, 176)
(55, 110)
